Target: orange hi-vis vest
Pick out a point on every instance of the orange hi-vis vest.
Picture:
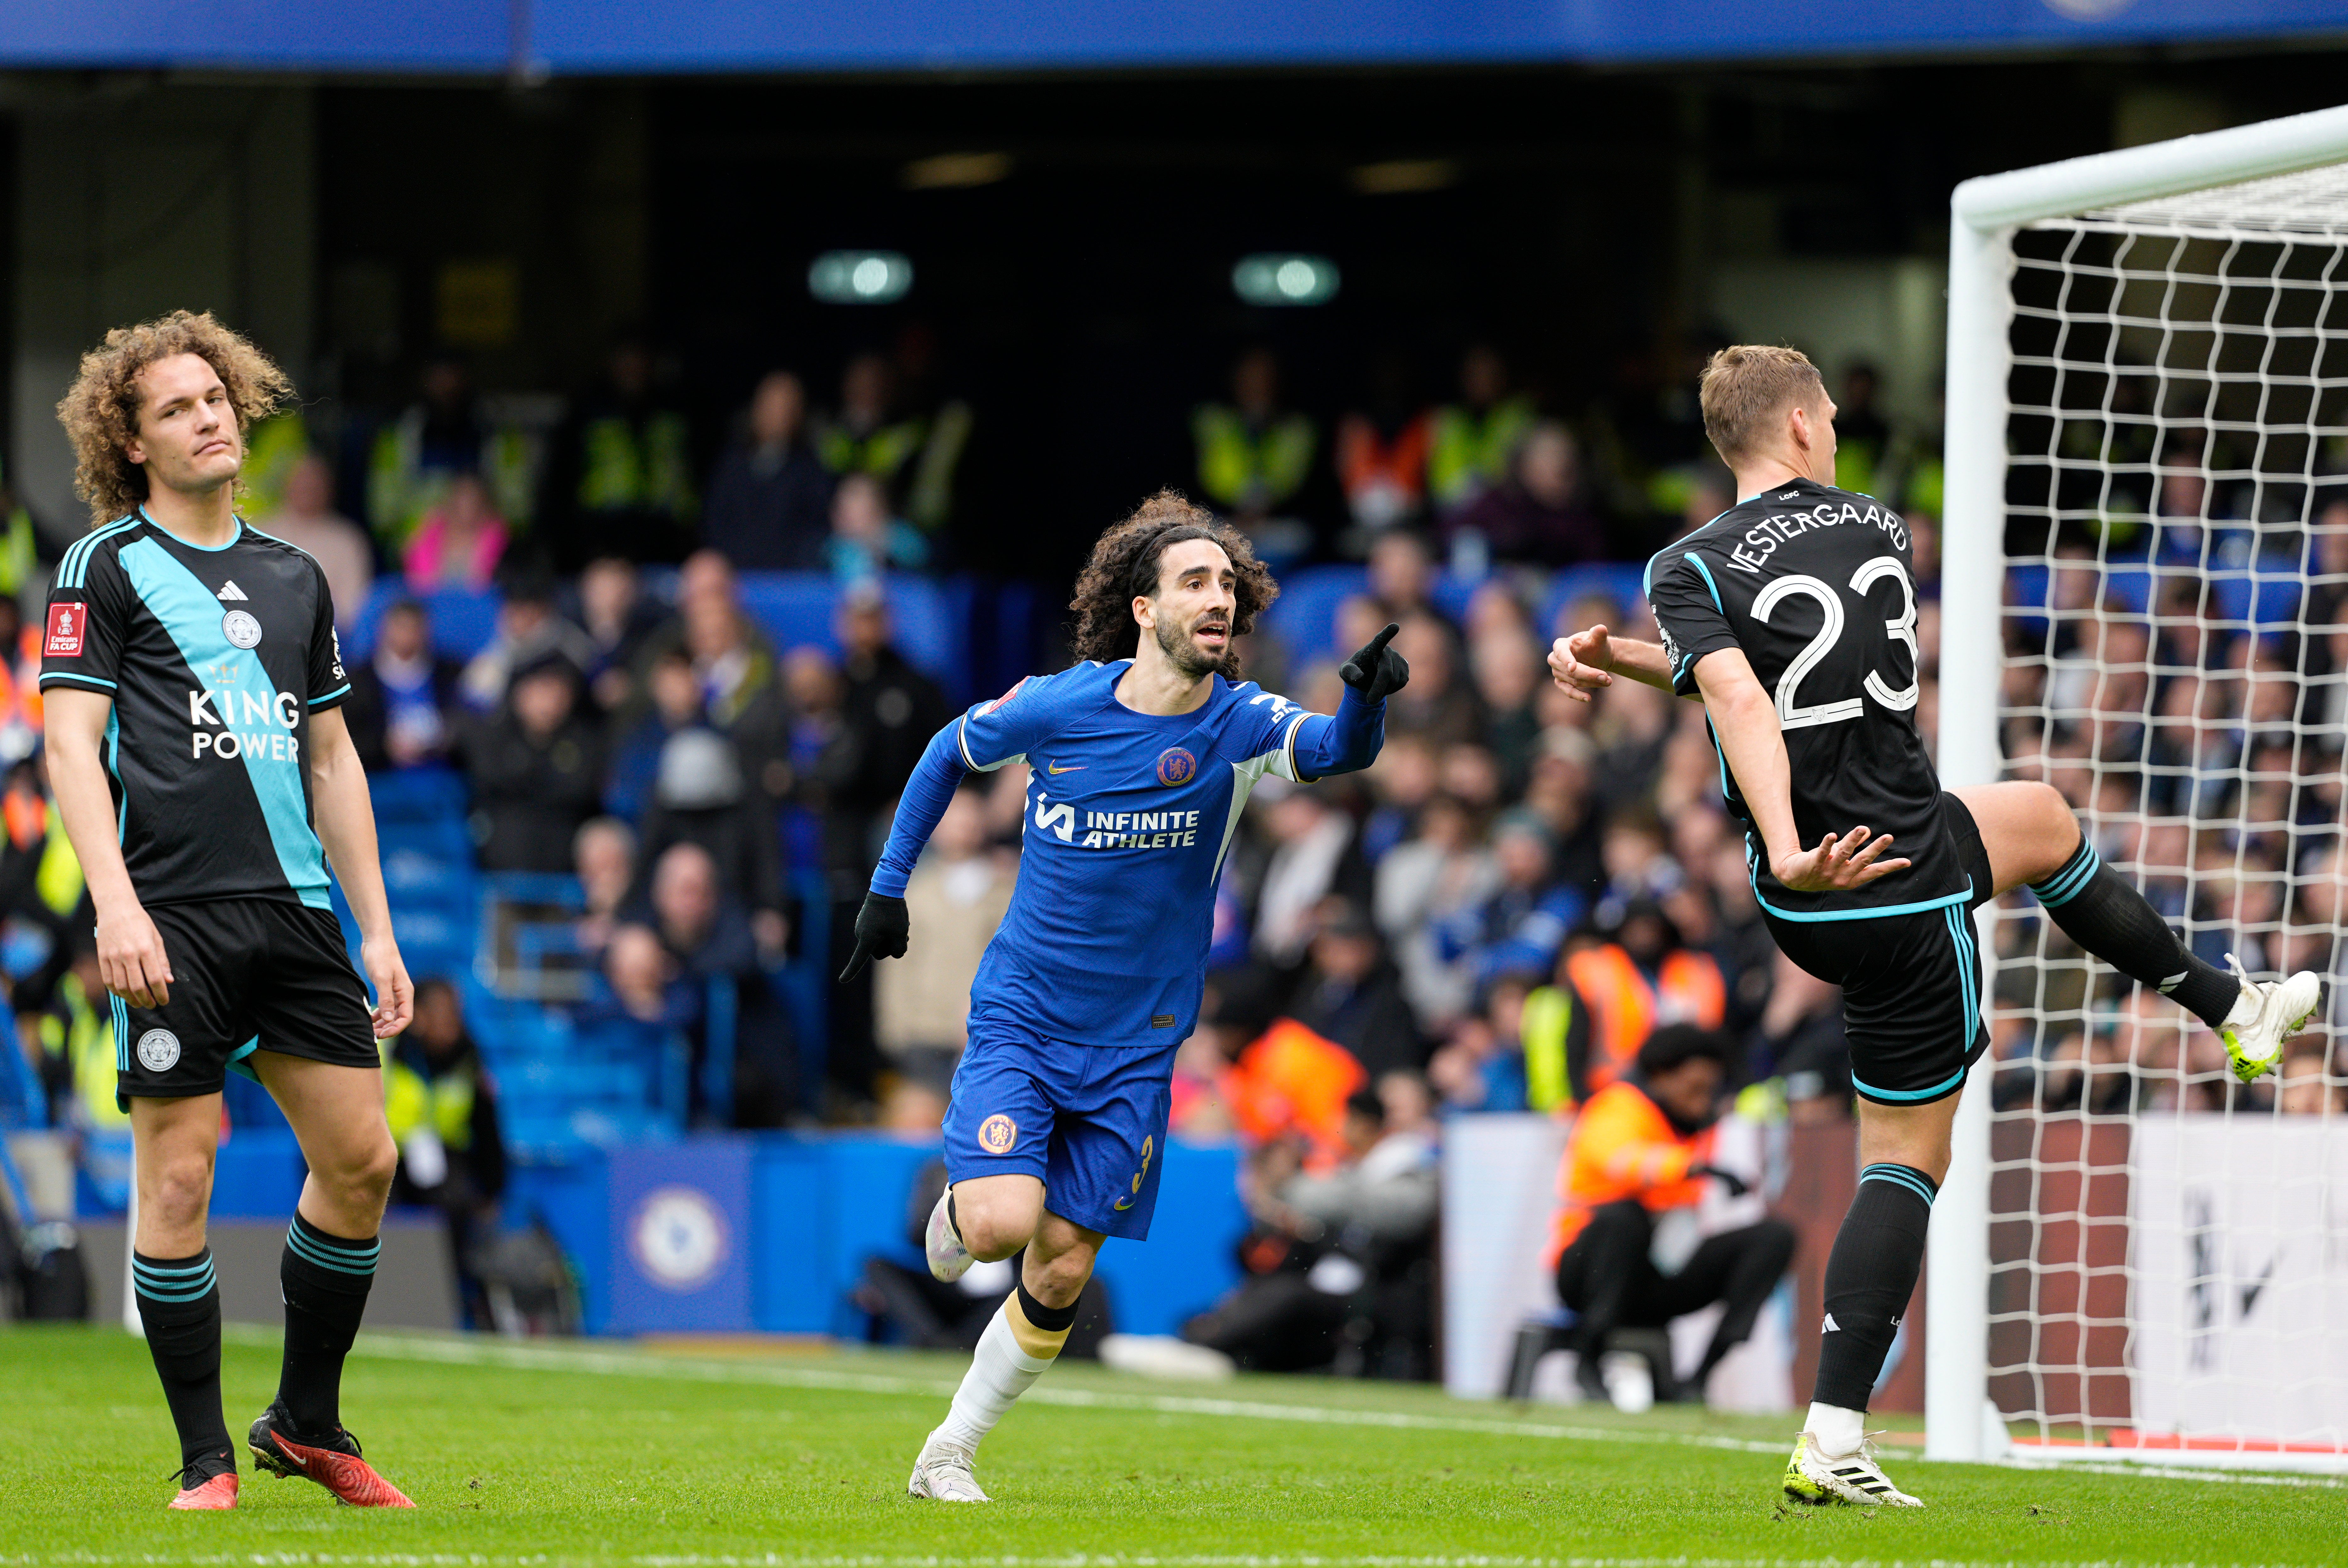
(20, 692)
(1290, 1079)
(1624, 1010)
(1622, 1146)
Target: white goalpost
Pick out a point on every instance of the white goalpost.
(2144, 603)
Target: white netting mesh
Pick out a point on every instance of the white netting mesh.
(2170, 1252)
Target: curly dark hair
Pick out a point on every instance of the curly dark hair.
(101, 411)
(1124, 567)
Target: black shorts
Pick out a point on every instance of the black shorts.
(1911, 983)
(247, 973)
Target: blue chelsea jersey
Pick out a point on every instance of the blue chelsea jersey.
(1130, 816)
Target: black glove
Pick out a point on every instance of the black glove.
(881, 927)
(1377, 672)
(1735, 1183)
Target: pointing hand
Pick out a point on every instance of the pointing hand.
(1377, 672)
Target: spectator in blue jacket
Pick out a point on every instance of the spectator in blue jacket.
(1525, 921)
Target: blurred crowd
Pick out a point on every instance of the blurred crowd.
(1494, 918)
(2194, 716)
(883, 467)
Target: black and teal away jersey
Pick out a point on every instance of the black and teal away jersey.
(1817, 586)
(215, 660)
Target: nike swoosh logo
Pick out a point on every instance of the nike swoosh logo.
(1056, 769)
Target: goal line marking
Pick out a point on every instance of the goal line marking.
(461, 1352)
(1041, 1560)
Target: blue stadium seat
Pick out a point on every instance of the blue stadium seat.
(797, 608)
(1304, 619)
(418, 795)
(1624, 583)
(463, 621)
(2263, 599)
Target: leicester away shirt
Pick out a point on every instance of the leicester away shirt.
(1816, 585)
(215, 660)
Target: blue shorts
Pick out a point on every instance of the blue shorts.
(1087, 1121)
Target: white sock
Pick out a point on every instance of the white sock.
(1837, 1431)
(1002, 1369)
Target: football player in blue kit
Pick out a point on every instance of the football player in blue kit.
(1140, 759)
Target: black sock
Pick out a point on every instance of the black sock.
(179, 1303)
(1871, 1274)
(326, 1280)
(2099, 910)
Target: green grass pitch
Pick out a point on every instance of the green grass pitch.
(528, 1455)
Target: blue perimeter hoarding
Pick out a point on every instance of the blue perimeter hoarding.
(630, 36)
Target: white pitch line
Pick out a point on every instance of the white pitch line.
(551, 1358)
(1079, 1560)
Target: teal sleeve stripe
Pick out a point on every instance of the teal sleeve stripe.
(49, 675)
(342, 690)
(114, 766)
(193, 616)
(1900, 1176)
(1888, 910)
(1714, 588)
(75, 568)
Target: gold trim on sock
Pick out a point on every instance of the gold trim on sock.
(1043, 1344)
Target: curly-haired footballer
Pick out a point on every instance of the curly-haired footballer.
(193, 689)
(1139, 760)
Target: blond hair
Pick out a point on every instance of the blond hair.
(1746, 385)
(101, 411)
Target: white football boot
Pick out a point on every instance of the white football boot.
(942, 1473)
(949, 1259)
(1815, 1477)
(2277, 1010)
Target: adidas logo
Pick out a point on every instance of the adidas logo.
(2172, 982)
(1831, 1326)
(232, 594)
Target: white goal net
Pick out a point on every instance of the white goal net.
(2169, 1249)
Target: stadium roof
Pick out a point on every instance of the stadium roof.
(630, 36)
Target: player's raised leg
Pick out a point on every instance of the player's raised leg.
(2033, 841)
(179, 1300)
(326, 1270)
(997, 1216)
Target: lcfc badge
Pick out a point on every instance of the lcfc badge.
(159, 1050)
(240, 628)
